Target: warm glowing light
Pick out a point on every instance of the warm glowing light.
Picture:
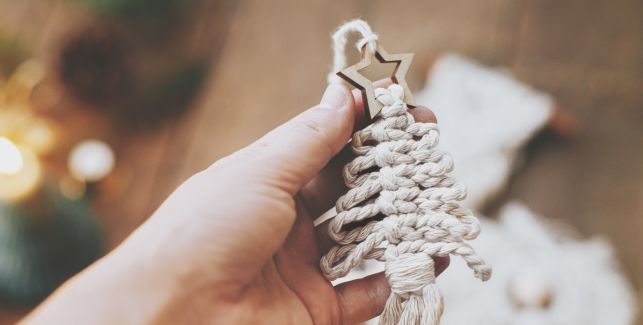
(91, 160)
(10, 158)
(40, 135)
(25, 180)
(72, 188)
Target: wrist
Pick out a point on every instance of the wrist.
(115, 290)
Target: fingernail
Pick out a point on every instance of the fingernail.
(335, 97)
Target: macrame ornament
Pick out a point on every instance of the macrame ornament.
(402, 206)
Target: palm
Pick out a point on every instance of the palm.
(291, 288)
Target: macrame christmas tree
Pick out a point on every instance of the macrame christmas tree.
(402, 207)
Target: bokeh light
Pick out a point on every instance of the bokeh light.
(10, 157)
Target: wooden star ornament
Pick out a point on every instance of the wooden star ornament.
(351, 74)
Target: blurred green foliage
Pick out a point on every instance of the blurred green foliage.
(39, 253)
(148, 10)
(12, 52)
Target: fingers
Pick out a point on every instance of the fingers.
(441, 264)
(363, 299)
(320, 194)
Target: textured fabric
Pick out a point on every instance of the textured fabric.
(485, 118)
(543, 274)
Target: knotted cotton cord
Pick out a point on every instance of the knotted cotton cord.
(340, 37)
(401, 207)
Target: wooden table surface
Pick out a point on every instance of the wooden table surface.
(587, 54)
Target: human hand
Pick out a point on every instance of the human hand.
(235, 243)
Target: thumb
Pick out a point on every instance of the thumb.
(251, 192)
(363, 299)
(293, 153)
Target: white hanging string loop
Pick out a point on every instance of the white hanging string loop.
(340, 38)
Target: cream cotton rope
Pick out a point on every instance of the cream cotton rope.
(340, 37)
(402, 206)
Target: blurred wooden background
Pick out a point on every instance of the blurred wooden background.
(587, 54)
